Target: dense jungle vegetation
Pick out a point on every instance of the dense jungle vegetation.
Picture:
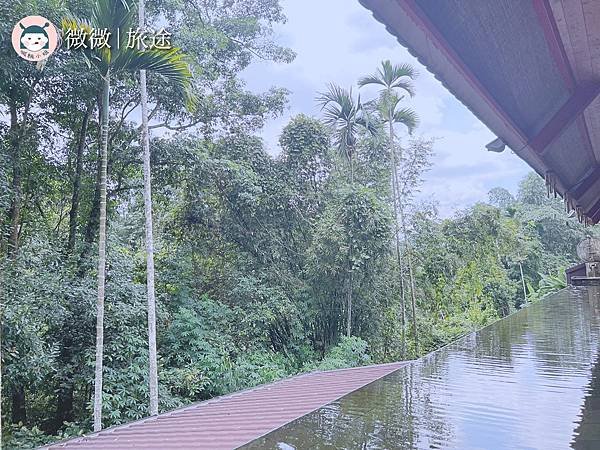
(320, 257)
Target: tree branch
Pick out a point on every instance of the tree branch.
(124, 115)
(175, 127)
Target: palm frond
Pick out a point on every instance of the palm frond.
(114, 14)
(117, 16)
(392, 76)
(371, 79)
(345, 117)
(337, 102)
(408, 117)
(398, 71)
(405, 85)
(331, 114)
(333, 94)
(399, 76)
(99, 58)
(170, 63)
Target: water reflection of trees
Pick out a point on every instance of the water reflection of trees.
(417, 406)
(395, 412)
(560, 332)
(587, 433)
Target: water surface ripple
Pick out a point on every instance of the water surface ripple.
(529, 381)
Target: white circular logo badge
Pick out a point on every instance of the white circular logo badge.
(34, 38)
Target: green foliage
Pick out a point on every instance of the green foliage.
(305, 144)
(255, 254)
(501, 198)
(557, 235)
(549, 284)
(366, 222)
(44, 306)
(19, 437)
(350, 352)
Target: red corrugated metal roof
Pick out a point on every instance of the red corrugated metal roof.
(236, 419)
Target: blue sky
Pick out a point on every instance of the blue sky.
(339, 41)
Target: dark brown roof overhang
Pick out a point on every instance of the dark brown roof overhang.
(529, 70)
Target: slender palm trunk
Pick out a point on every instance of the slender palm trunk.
(101, 256)
(349, 305)
(145, 138)
(403, 311)
(350, 280)
(399, 208)
(397, 231)
(410, 277)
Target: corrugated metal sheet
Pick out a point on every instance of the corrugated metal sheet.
(236, 419)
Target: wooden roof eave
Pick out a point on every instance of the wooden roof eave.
(431, 50)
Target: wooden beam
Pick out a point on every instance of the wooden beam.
(555, 44)
(566, 115)
(585, 184)
(420, 18)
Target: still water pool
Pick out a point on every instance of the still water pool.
(529, 381)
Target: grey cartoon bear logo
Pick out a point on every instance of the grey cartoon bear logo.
(34, 38)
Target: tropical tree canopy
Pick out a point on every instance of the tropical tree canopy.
(257, 255)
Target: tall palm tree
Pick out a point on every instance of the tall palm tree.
(109, 62)
(150, 292)
(393, 78)
(346, 118)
